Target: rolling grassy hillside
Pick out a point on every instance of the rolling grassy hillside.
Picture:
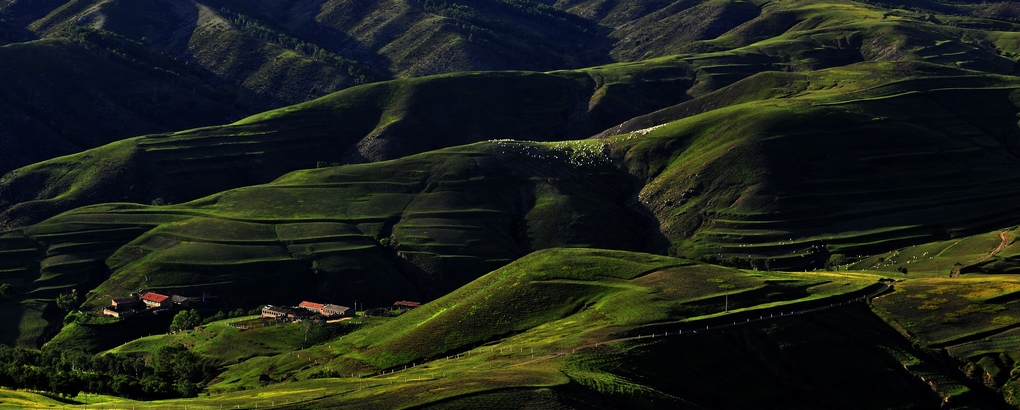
(512, 327)
(369, 123)
(533, 348)
(742, 185)
(973, 320)
(535, 210)
(59, 99)
(243, 57)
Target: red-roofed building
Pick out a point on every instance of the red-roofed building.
(406, 304)
(155, 300)
(312, 306)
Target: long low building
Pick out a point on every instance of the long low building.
(336, 311)
(328, 310)
(278, 311)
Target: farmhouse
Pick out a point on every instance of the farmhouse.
(278, 312)
(312, 306)
(149, 301)
(121, 311)
(336, 311)
(155, 300)
(406, 305)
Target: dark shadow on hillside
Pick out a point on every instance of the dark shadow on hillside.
(12, 314)
(19, 14)
(300, 20)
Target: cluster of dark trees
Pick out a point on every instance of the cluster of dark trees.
(359, 72)
(170, 372)
(483, 29)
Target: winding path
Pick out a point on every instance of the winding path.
(1004, 241)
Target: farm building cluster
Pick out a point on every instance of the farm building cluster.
(307, 310)
(148, 302)
(155, 303)
(272, 315)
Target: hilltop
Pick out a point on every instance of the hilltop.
(228, 59)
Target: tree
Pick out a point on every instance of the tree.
(185, 320)
(218, 316)
(65, 384)
(836, 259)
(69, 301)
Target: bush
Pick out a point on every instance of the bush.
(69, 301)
(185, 320)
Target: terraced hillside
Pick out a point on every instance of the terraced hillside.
(545, 210)
(431, 222)
(241, 57)
(369, 123)
(563, 328)
(414, 228)
(753, 167)
(60, 99)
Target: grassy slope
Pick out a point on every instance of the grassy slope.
(521, 313)
(60, 98)
(410, 228)
(746, 179)
(718, 187)
(374, 122)
(973, 320)
(757, 188)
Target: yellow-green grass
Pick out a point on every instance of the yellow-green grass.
(619, 290)
(438, 195)
(872, 115)
(935, 259)
(627, 373)
(211, 159)
(16, 399)
(1006, 342)
(225, 344)
(943, 311)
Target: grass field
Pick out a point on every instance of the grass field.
(941, 311)
(937, 259)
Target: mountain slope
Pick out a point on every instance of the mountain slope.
(743, 185)
(369, 123)
(531, 328)
(60, 99)
(533, 211)
(750, 167)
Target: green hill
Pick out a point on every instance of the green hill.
(558, 221)
(541, 330)
(368, 123)
(59, 99)
(742, 185)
